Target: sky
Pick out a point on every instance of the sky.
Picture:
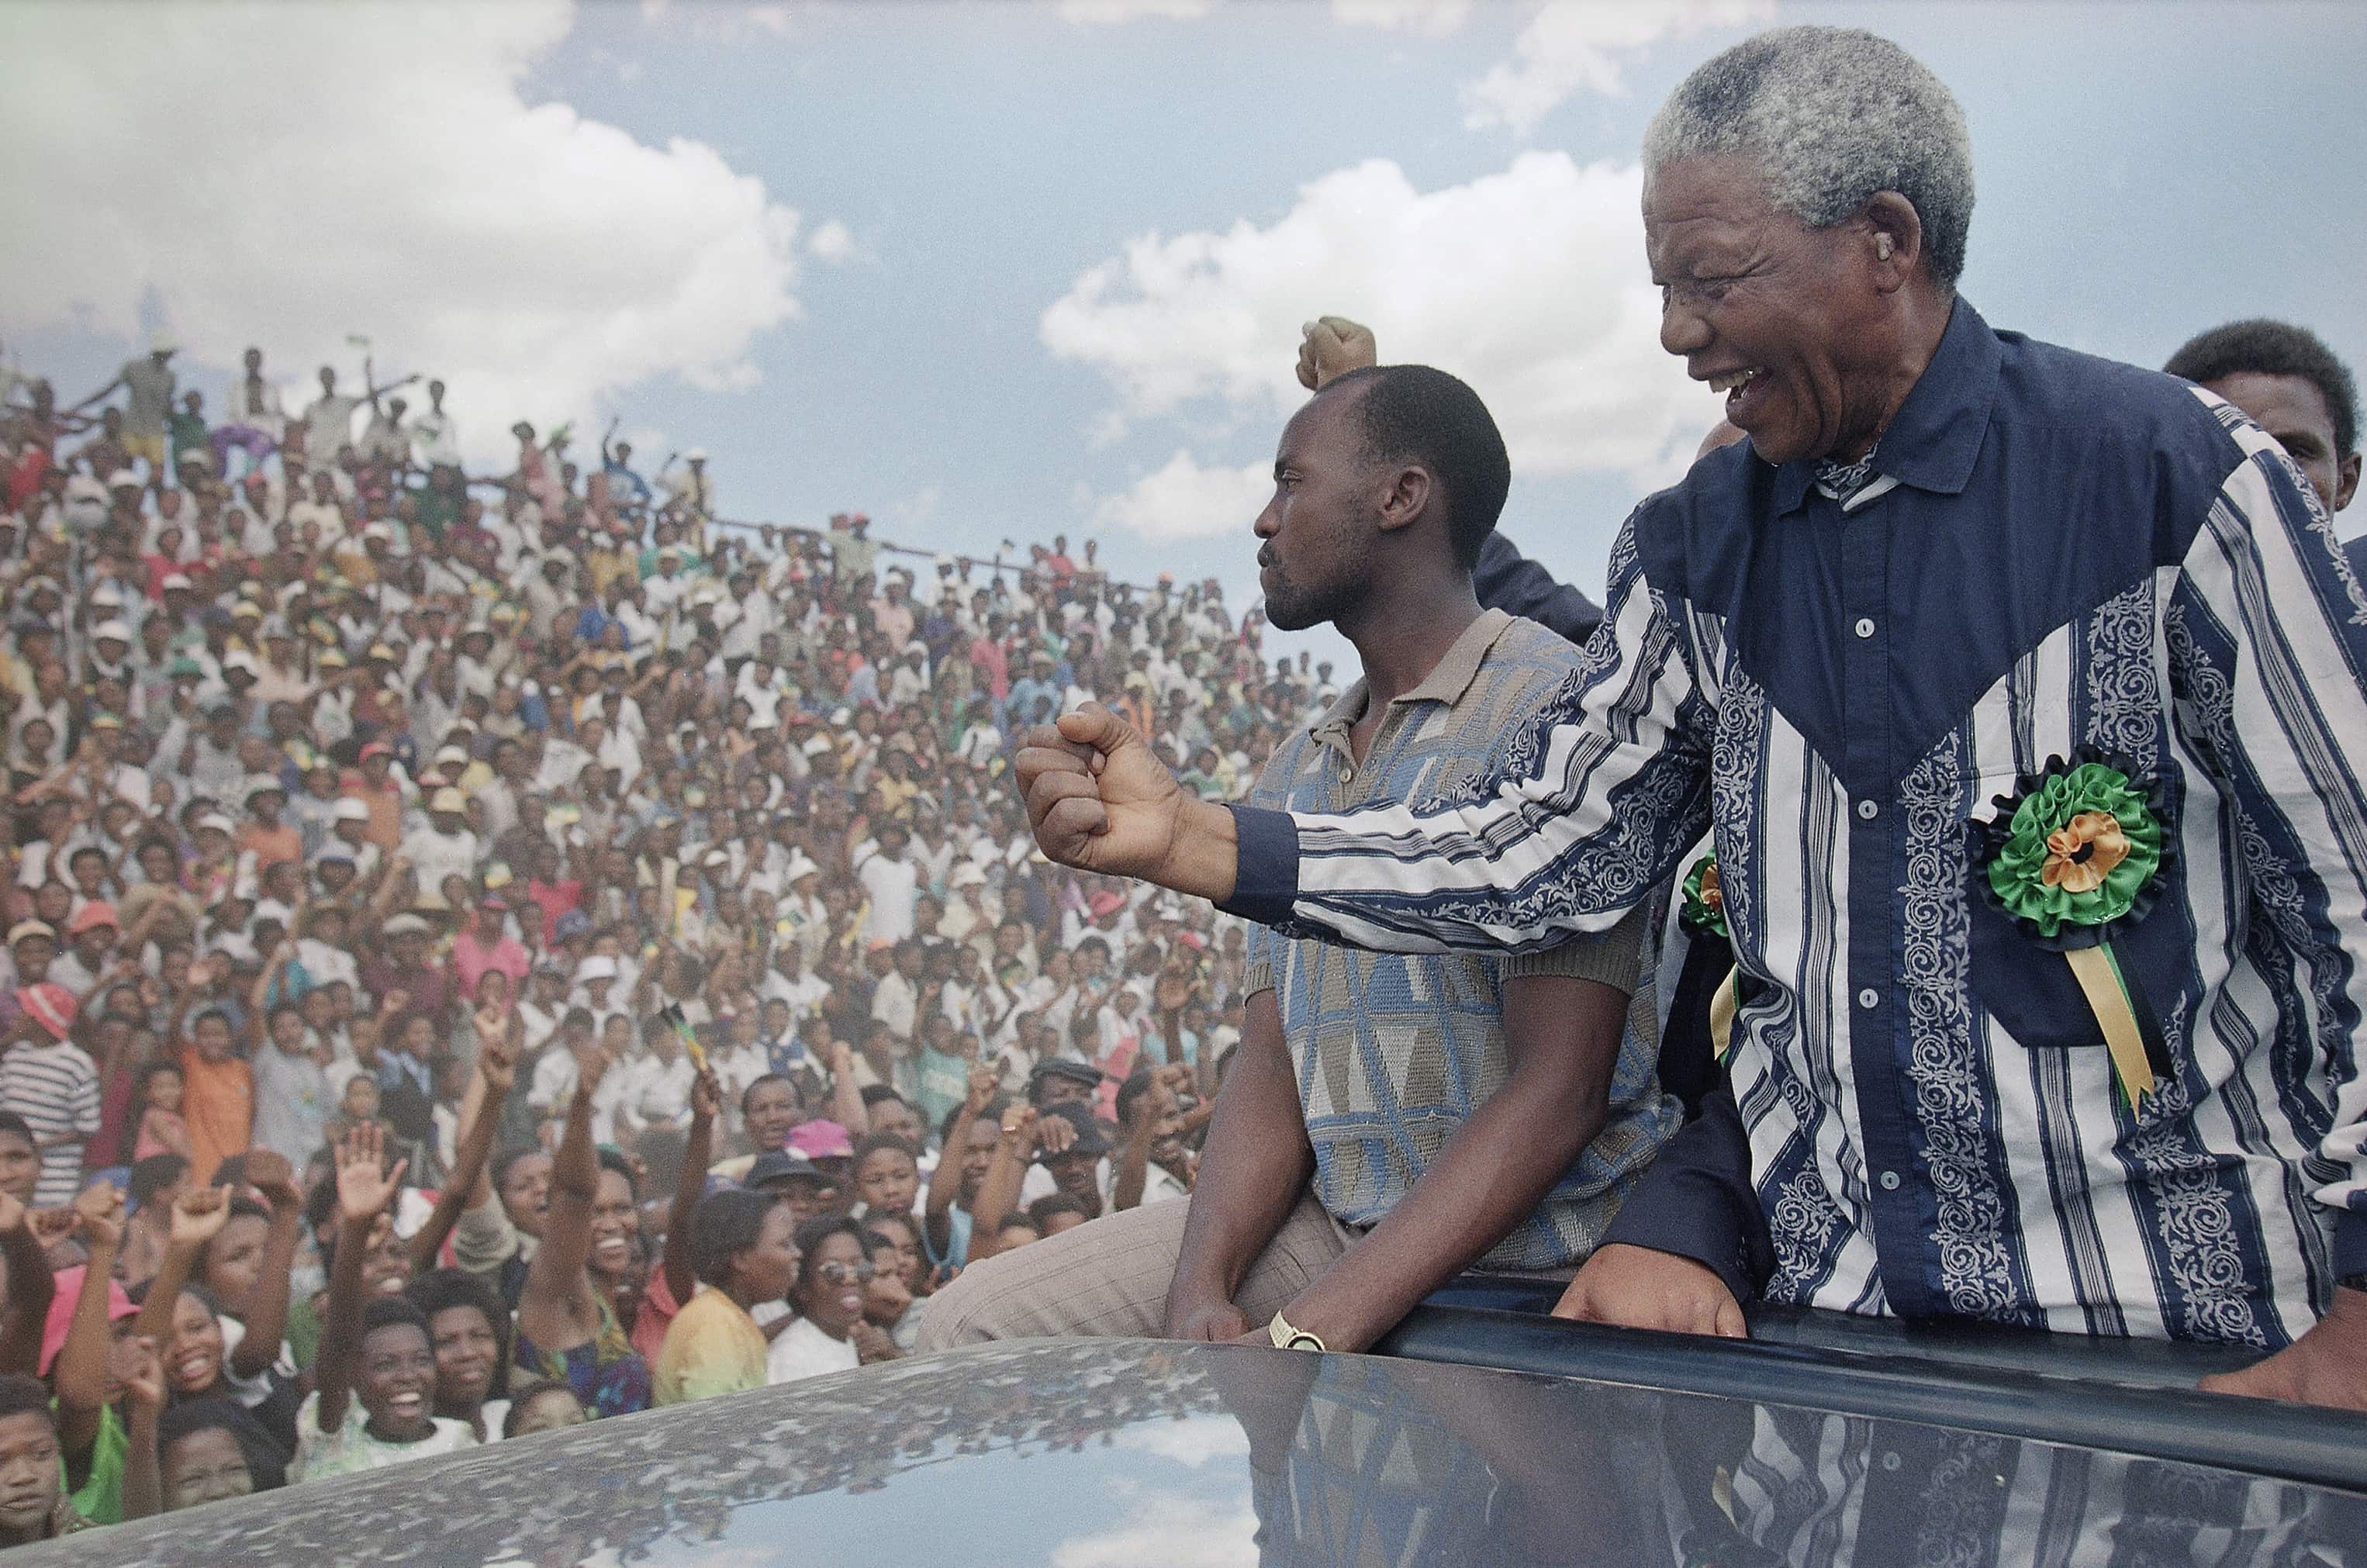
(1000, 270)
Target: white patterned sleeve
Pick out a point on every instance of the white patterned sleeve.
(2274, 630)
(1605, 786)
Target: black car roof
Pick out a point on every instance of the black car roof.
(1091, 1453)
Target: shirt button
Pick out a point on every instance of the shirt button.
(1869, 998)
(1868, 810)
(1864, 626)
(1889, 1181)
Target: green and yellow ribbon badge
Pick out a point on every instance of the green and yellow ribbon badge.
(2074, 858)
(1704, 914)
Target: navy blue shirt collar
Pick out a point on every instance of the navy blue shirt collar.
(1936, 436)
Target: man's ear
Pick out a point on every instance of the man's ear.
(1406, 495)
(1894, 239)
(2346, 481)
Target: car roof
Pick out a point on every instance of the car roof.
(1084, 1452)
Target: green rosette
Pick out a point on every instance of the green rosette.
(2018, 869)
(2074, 858)
(1705, 905)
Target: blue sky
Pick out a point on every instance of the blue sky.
(2143, 171)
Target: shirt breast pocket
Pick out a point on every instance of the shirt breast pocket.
(2029, 989)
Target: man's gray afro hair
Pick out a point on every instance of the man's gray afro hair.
(1833, 115)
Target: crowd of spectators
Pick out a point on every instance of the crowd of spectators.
(491, 950)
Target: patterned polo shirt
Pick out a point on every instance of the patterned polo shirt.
(1394, 1053)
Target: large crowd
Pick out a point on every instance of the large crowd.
(489, 950)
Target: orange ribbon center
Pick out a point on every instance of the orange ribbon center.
(2083, 852)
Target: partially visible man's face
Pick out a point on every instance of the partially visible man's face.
(1314, 532)
(2292, 408)
(1745, 287)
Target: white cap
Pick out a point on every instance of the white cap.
(801, 865)
(216, 821)
(695, 454)
(114, 629)
(348, 810)
(161, 342)
(815, 747)
(239, 658)
(967, 875)
(123, 477)
(272, 910)
(448, 799)
(407, 924)
(176, 579)
(599, 966)
(452, 754)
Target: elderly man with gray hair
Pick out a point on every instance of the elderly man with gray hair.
(2020, 692)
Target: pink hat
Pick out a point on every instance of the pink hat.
(97, 912)
(67, 1291)
(820, 1140)
(50, 1005)
(1106, 903)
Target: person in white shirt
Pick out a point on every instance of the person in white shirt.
(434, 435)
(444, 849)
(828, 1334)
(895, 1000)
(889, 880)
(656, 1090)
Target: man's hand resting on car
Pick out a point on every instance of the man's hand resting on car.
(2327, 1365)
(1100, 801)
(1636, 1287)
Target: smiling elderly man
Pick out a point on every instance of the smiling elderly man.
(2079, 1057)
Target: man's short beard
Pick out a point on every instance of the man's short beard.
(1291, 608)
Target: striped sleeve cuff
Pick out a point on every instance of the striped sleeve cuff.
(2349, 1244)
(1266, 877)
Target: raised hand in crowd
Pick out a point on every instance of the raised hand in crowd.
(1333, 345)
(143, 1401)
(30, 1288)
(367, 1189)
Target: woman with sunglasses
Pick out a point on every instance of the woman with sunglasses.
(828, 1296)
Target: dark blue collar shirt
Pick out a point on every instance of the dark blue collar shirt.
(2047, 552)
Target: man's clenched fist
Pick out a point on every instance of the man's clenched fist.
(1333, 345)
(1097, 796)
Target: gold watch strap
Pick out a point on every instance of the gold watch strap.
(1286, 1337)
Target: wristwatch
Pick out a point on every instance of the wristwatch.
(1288, 1339)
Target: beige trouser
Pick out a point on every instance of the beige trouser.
(1110, 1276)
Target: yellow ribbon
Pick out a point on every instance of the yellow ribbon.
(1721, 1014)
(2092, 967)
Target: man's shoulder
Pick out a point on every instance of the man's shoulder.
(1526, 646)
(2088, 400)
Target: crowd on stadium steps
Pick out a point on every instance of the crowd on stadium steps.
(486, 951)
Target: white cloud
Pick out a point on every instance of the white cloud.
(1193, 1441)
(832, 241)
(1423, 19)
(535, 260)
(1185, 500)
(1109, 13)
(1530, 284)
(1573, 45)
(1180, 1532)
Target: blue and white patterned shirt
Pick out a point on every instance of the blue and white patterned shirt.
(2057, 551)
